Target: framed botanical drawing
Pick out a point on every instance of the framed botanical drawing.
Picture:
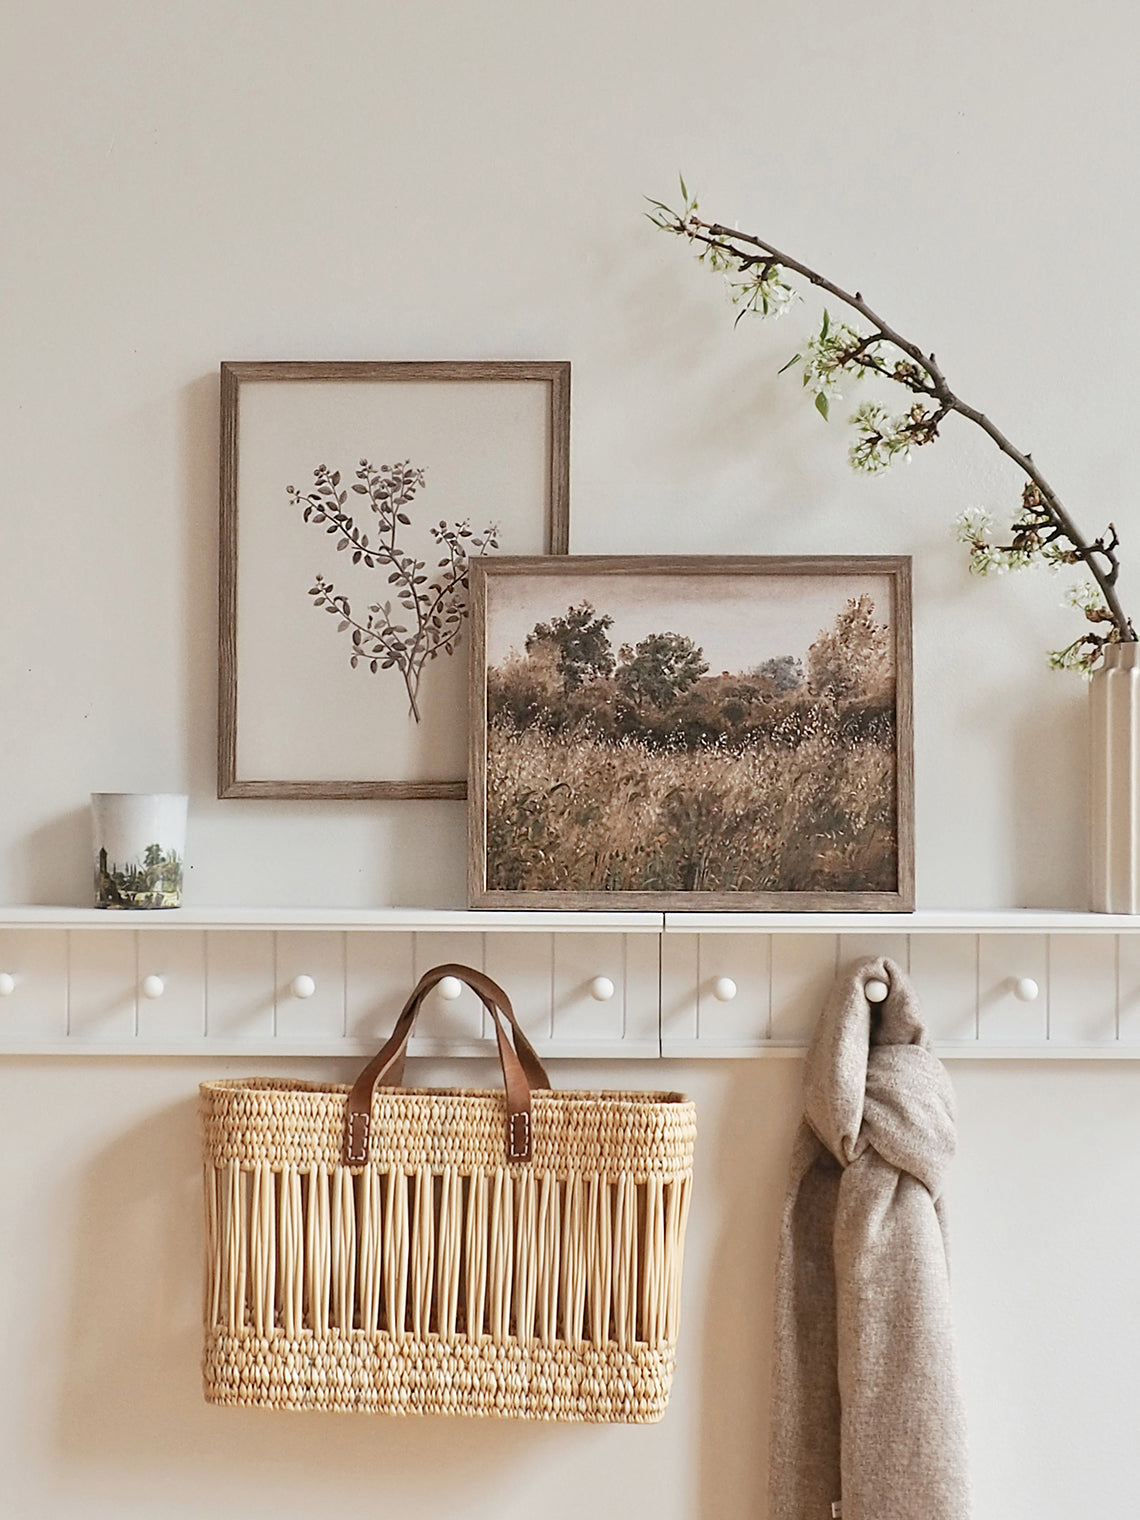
(701, 732)
(354, 499)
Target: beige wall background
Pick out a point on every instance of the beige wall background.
(266, 179)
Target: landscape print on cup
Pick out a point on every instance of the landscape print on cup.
(139, 843)
(154, 881)
(671, 732)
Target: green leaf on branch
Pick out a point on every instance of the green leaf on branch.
(822, 405)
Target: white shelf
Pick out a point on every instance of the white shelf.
(923, 921)
(398, 920)
(450, 920)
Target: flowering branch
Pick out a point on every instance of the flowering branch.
(1042, 531)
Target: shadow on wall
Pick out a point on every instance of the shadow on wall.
(57, 861)
(130, 1408)
(131, 1398)
(735, 425)
(199, 621)
(1049, 800)
(743, 1165)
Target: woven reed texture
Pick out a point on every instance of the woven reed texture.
(279, 1120)
(348, 1375)
(438, 1278)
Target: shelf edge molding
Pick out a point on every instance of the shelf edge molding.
(450, 920)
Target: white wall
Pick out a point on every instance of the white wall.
(100, 1298)
(265, 179)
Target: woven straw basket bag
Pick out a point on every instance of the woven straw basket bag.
(445, 1251)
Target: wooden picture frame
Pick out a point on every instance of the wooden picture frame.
(484, 443)
(611, 766)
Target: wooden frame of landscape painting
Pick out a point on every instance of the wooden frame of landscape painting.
(353, 497)
(691, 732)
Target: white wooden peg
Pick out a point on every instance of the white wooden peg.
(7, 984)
(602, 989)
(1026, 990)
(302, 986)
(876, 991)
(153, 986)
(450, 987)
(724, 989)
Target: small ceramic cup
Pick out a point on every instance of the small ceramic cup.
(140, 844)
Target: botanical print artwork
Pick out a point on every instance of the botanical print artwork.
(354, 499)
(433, 606)
(153, 882)
(683, 734)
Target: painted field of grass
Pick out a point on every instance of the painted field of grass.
(572, 812)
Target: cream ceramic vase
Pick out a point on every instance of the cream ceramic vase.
(1114, 772)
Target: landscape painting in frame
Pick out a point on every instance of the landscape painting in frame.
(354, 497)
(705, 732)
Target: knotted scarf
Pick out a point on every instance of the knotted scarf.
(866, 1404)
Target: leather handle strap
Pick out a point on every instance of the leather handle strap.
(521, 1066)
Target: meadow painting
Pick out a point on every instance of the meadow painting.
(691, 733)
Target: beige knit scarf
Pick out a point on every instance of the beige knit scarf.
(866, 1406)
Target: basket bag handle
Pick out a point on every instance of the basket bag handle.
(522, 1068)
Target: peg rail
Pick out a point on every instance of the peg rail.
(296, 982)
